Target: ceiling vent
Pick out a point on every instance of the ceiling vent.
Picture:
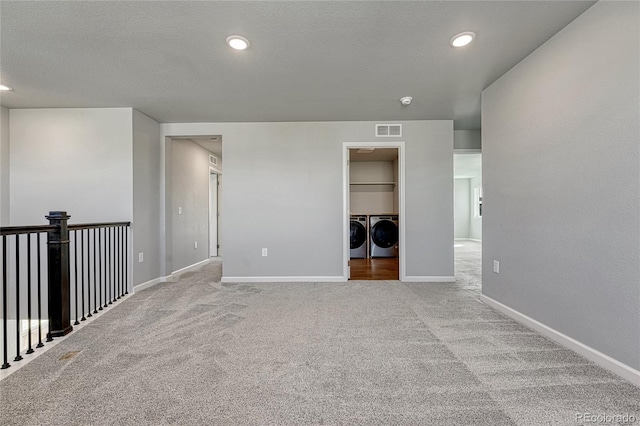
(388, 130)
(213, 160)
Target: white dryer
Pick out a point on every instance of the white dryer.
(358, 237)
(383, 236)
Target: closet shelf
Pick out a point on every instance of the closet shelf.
(373, 183)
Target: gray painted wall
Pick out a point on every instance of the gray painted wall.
(475, 223)
(4, 166)
(562, 195)
(461, 209)
(190, 192)
(467, 139)
(283, 191)
(78, 160)
(147, 204)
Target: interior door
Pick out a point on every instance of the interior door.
(213, 214)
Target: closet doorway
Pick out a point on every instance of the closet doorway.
(374, 206)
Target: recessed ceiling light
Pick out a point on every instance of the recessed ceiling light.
(462, 39)
(406, 100)
(237, 42)
(5, 88)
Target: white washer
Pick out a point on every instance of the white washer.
(358, 237)
(383, 236)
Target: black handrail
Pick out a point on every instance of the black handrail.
(97, 225)
(99, 253)
(14, 230)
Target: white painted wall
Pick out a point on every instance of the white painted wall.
(461, 209)
(147, 198)
(78, 160)
(4, 166)
(283, 191)
(475, 223)
(561, 182)
(190, 193)
(372, 199)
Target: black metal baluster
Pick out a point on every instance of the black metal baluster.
(5, 343)
(82, 273)
(40, 344)
(110, 275)
(30, 349)
(18, 356)
(102, 287)
(95, 276)
(116, 254)
(120, 262)
(89, 273)
(75, 264)
(126, 259)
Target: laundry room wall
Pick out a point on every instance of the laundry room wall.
(371, 199)
(284, 192)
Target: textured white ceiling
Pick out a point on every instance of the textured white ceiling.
(308, 61)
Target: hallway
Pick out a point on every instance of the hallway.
(364, 352)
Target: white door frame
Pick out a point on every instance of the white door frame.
(401, 201)
(213, 218)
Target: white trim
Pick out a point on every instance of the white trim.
(189, 268)
(174, 274)
(213, 171)
(475, 239)
(588, 352)
(461, 239)
(148, 284)
(401, 201)
(289, 279)
(431, 279)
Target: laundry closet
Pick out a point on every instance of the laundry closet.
(373, 203)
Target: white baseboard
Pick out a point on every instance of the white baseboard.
(174, 274)
(189, 268)
(588, 352)
(461, 239)
(304, 279)
(430, 279)
(475, 239)
(148, 284)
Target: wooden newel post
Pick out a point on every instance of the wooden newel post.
(58, 258)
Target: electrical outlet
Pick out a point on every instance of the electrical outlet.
(496, 266)
(264, 252)
(140, 257)
(179, 210)
(195, 244)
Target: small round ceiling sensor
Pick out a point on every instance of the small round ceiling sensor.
(406, 100)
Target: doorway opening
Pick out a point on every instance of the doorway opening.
(467, 171)
(374, 210)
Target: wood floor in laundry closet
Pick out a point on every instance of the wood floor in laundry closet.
(379, 268)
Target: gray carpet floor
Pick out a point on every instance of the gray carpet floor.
(197, 352)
